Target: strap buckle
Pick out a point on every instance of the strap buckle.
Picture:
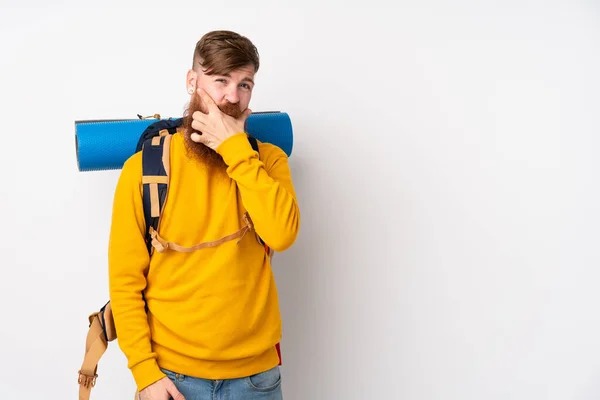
(157, 243)
(87, 380)
(248, 221)
(155, 116)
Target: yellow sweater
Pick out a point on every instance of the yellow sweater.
(211, 313)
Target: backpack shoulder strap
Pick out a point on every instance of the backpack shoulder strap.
(155, 180)
(253, 143)
(152, 130)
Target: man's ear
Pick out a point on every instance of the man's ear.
(191, 80)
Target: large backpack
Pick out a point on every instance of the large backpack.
(154, 143)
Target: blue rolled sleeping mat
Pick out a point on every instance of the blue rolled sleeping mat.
(107, 144)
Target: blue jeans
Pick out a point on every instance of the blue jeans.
(263, 386)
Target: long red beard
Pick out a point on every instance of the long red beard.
(200, 151)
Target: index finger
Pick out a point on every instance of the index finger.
(210, 103)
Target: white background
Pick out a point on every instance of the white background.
(446, 164)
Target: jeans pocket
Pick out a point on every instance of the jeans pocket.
(265, 381)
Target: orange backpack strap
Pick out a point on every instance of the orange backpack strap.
(161, 245)
(100, 333)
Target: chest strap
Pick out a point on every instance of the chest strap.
(161, 245)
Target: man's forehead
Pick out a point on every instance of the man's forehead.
(243, 72)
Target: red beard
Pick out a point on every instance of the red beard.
(200, 151)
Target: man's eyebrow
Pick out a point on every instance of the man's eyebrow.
(246, 79)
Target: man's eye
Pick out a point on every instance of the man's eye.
(221, 80)
(246, 86)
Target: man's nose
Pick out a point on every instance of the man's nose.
(232, 96)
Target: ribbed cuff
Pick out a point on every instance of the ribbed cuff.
(146, 373)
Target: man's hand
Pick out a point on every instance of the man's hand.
(163, 389)
(215, 125)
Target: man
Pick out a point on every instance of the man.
(194, 324)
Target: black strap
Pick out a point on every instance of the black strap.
(253, 142)
(152, 165)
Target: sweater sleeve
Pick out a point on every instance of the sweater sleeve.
(266, 189)
(128, 262)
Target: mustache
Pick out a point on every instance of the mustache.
(196, 104)
(231, 109)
